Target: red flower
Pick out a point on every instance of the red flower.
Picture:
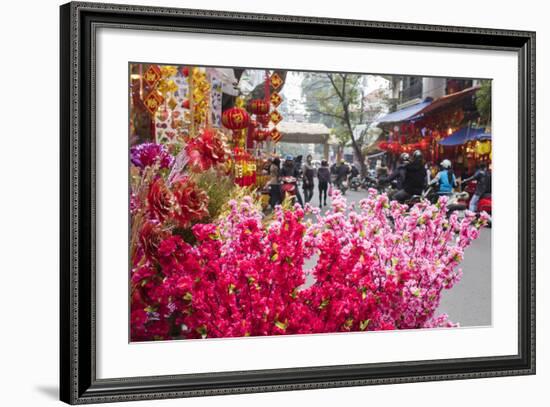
(160, 199)
(206, 150)
(191, 202)
(150, 237)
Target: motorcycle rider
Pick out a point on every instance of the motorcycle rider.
(483, 178)
(399, 173)
(342, 172)
(290, 169)
(445, 178)
(415, 178)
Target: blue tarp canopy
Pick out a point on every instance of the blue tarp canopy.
(464, 135)
(406, 113)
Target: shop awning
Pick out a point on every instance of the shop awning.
(464, 135)
(448, 100)
(406, 113)
(428, 106)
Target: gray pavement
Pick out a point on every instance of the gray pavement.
(469, 301)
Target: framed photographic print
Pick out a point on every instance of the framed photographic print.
(255, 203)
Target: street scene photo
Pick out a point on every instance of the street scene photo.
(267, 201)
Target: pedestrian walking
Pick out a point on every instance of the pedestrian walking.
(274, 183)
(309, 174)
(323, 176)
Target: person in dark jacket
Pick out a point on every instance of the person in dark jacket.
(323, 175)
(342, 172)
(399, 173)
(290, 169)
(483, 178)
(309, 175)
(415, 178)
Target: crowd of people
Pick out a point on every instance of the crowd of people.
(410, 177)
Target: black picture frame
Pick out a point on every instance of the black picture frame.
(78, 382)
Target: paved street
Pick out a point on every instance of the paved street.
(469, 301)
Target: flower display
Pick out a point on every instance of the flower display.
(380, 266)
(149, 154)
(190, 202)
(206, 151)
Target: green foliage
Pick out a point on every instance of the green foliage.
(219, 190)
(483, 102)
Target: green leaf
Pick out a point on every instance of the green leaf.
(281, 325)
(231, 288)
(364, 324)
(324, 303)
(188, 296)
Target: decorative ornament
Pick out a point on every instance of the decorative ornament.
(263, 119)
(258, 106)
(275, 135)
(168, 70)
(276, 81)
(167, 86)
(276, 99)
(152, 75)
(185, 71)
(235, 118)
(275, 117)
(152, 101)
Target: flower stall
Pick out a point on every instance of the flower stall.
(206, 262)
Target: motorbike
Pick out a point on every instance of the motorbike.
(288, 188)
(370, 182)
(485, 201)
(457, 200)
(343, 186)
(355, 183)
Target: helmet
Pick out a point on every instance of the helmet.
(404, 157)
(446, 164)
(289, 158)
(417, 155)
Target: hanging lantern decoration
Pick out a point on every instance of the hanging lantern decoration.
(424, 144)
(383, 145)
(186, 104)
(263, 119)
(185, 71)
(275, 99)
(235, 118)
(262, 135)
(153, 101)
(152, 75)
(276, 81)
(275, 135)
(258, 107)
(200, 97)
(275, 117)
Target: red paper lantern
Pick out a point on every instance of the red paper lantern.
(383, 145)
(235, 118)
(424, 144)
(185, 104)
(262, 135)
(185, 71)
(263, 119)
(258, 106)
